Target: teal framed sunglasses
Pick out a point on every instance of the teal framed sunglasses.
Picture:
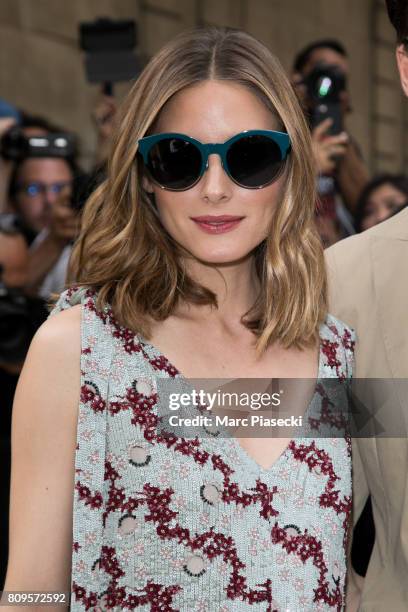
(252, 159)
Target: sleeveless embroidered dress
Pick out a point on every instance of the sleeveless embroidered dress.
(162, 523)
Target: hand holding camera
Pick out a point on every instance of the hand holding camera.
(5, 124)
(64, 219)
(104, 116)
(328, 149)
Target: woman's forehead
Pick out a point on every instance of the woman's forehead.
(213, 109)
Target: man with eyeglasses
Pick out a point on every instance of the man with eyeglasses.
(35, 192)
(369, 290)
(40, 193)
(342, 172)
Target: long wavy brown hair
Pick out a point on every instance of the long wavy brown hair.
(125, 254)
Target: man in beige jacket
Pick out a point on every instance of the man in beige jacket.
(368, 280)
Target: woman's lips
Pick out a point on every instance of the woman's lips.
(217, 224)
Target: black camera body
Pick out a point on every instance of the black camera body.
(324, 85)
(109, 48)
(15, 145)
(20, 315)
(16, 325)
(10, 225)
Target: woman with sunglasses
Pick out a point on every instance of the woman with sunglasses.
(198, 258)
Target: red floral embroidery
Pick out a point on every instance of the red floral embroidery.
(335, 419)
(329, 349)
(94, 500)
(330, 498)
(129, 339)
(211, 543)
(90, 394)
(307, 547)
(158, 596)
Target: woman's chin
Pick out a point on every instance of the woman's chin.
(221, 259)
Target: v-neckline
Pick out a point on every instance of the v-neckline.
(252, 465)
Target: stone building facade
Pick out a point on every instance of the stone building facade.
(41, 67)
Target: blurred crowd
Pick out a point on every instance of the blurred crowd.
(43, 189)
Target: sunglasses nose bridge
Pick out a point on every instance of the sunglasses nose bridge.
(213, 149)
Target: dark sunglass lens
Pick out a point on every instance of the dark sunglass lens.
(254, 161)
(174, 163)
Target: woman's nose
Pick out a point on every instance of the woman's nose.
(216, 186)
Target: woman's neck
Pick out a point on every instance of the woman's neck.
(236, 286)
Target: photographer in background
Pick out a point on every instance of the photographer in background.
(29, 125)
(40, 192)
(320, 77)
(34, 189)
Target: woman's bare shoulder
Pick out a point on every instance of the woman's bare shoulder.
(59, 338)
(61, 327)
(51, 372)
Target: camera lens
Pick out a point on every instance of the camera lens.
(13, 145)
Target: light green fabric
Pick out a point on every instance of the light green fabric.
(197, 528)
